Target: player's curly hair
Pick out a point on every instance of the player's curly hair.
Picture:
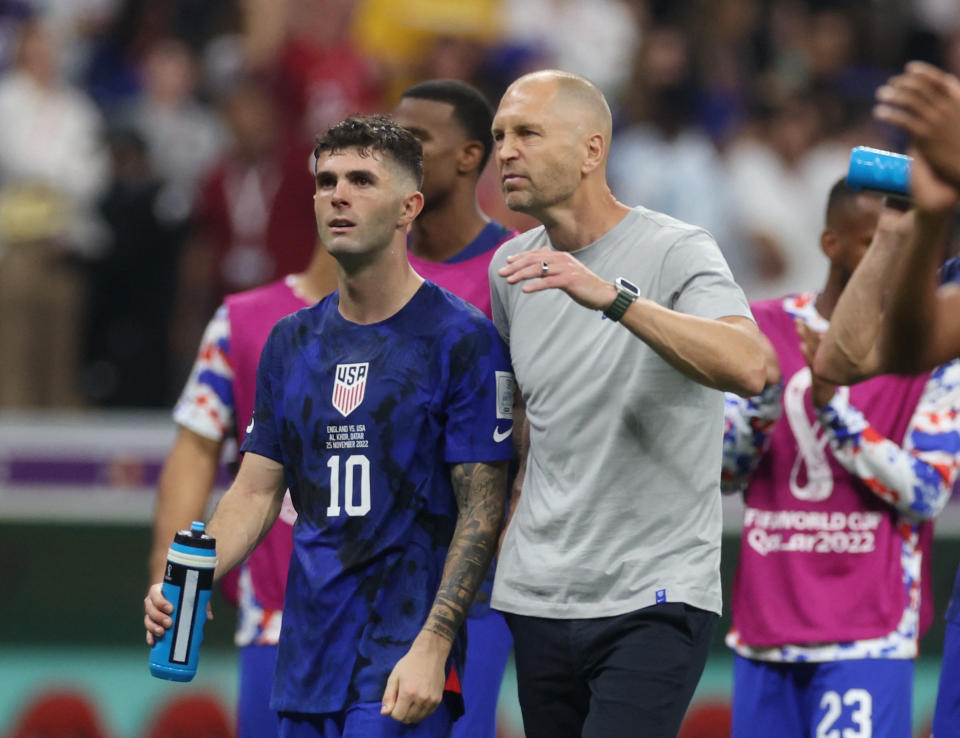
(369, 133)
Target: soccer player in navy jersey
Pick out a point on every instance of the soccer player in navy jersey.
(386, 409)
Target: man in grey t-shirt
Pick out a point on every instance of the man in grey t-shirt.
(609, 571)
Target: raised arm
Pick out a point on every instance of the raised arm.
(728, 353)
(243, 517)
(415, 686)
(921, 325)
(849, 352)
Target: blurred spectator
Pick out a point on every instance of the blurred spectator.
(74, 25)
(660, 160)
(254, 220)
(183, 138)
(725, 35)
(317, 72)
(596, 40)
(127, 357)
(113, 73)
(13, 15)
(779, 175)
(402, 36)
(52, 168)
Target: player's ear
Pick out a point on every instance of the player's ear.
(469, 157)
(828, 243)
(410, 208)
(595, 152)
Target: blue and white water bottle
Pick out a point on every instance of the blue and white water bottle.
(187, 585)
(882, 172)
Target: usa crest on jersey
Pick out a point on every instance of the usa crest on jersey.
(349, 385)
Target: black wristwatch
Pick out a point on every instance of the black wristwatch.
(627, 293)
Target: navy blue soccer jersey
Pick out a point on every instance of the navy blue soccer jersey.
(367, 420)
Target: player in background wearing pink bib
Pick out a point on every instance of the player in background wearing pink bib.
(452, 243)
(895, 314)
(832, 588)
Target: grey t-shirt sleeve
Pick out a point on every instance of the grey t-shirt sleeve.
(498, 297)
(698, 280)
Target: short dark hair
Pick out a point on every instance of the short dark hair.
(840, 197)
(471, 108)
(370, 133)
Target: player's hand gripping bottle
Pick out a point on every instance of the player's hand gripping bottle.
(187, 585)
(882, 172)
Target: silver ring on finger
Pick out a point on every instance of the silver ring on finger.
(544, 269)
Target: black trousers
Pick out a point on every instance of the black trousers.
(627, 676)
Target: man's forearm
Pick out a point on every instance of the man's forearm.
(247, 511)
(848, 352)
(726, 354)
(906, 341)
(183, 492)
(480, 489)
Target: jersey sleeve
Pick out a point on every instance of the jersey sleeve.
(264, 432)
(206, 405)
(498, 306)
(748, 424)
(699, 282)
(917, 477)
(479, 404)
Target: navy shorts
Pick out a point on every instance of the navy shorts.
(363, 720)
(860, 697)
(255, 718)
(488, 648)
(946, 718)
(615, 677)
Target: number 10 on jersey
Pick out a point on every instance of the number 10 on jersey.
(354, 465)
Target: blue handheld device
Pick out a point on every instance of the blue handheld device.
(187, 584)
(882, 172)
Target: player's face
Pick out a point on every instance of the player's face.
(854, 232)
(536, 149)
(360, 202)
(442, 138)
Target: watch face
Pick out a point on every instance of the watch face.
(627, 285)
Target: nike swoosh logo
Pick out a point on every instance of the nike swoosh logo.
(250, 427)
(498, 436)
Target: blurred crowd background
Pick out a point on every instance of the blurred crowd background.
(155, 154)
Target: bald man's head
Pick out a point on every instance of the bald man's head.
(576, 99)
(551, 135)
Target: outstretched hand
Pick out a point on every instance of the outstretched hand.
(931, 193)
(546, 268)
(925, 101)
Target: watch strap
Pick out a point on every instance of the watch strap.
(620, 305)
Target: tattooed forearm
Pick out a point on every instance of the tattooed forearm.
(480, 490)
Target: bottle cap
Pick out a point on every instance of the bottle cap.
(196, 536)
